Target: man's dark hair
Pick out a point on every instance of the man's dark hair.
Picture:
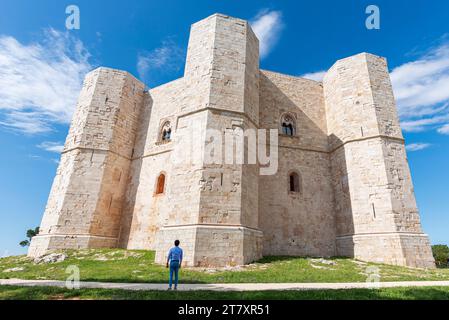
(176, 242)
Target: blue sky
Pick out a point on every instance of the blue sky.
(42, 65)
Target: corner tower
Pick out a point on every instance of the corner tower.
(376, 214)
(223, 67)
(85, 203)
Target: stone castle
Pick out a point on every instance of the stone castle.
(342, 186)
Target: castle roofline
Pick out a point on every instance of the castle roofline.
(98, 69)
(221, 15)
(290, 76)
(364, 55)
(225, 16)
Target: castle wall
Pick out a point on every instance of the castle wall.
(144, 211)
(296, 223)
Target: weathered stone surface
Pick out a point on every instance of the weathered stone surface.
(355, 194)
(50, 258)
(375, 209)
(84, 209)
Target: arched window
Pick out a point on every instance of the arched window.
(165, 132)
(294, 182)
(288, 125)
(160, 186)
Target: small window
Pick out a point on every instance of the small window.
(165, 132)
(288, 126)
(160, 186)
(294, 182)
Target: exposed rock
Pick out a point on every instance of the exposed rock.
(51, 258)
(252, 266)
(320, 267)
(210, 271)
(101, 257)
(360, 263)
(130, 254)
(323, 261)
(116, 255)
(14, 269)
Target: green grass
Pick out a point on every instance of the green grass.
(116, 265)
(52, 293)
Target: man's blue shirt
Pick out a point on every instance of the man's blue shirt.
(175, 254)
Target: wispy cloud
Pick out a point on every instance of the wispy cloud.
(34, 157)
(417, 146)
(168, 57)
(421, 88)
(40, 158)
(40, 82)
(418, 124)
(444, 129)
(316, 76)
(51, 146)
(267, 25)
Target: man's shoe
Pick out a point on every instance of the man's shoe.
(168, 289)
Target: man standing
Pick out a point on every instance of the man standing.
(174, 259)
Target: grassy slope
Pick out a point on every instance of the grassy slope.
(51, 293)
(115, 265)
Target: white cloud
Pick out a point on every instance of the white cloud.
(444, 129)
(27, 121)
(40, 82)
(267, 25)
(417, 146)
(421, 88)
(51, 146)
(168, 57)
(416, 124)
(34, 157)
(316, 76)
